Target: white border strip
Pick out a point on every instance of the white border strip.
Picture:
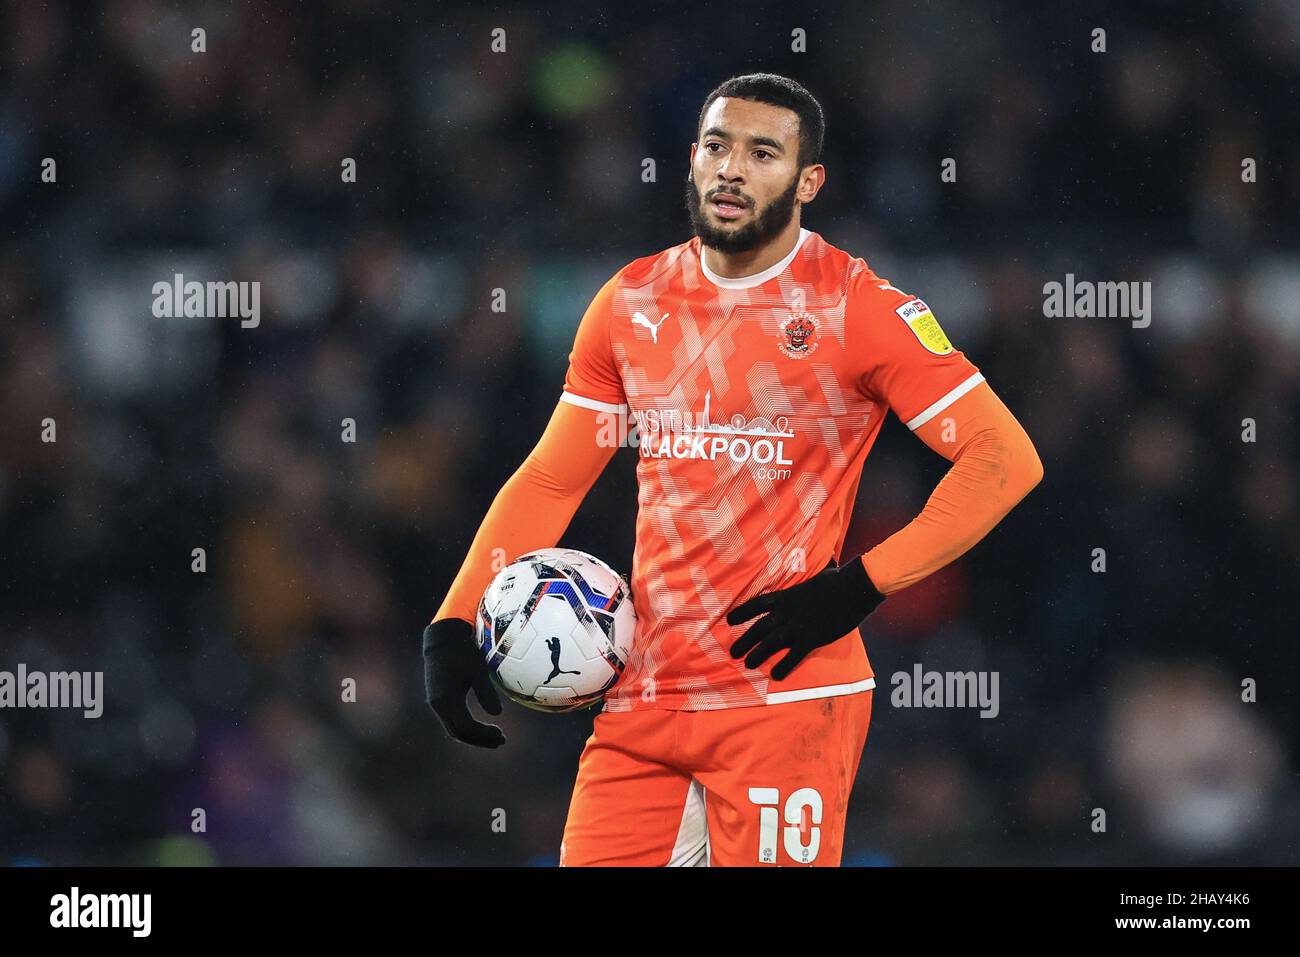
(946, 401)
(583, 402)
(691, 848)
(825, 691)
(758, 278)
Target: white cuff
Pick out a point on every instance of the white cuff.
(584, 402)
(920, 420)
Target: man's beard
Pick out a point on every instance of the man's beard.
(760, 230)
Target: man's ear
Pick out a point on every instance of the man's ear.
(819, 181)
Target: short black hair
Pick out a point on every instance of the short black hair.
(778, 91)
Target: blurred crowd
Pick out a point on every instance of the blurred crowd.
(226, 738)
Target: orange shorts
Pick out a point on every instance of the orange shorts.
(767, 784)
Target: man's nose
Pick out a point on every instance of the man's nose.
(730, 176)
(730, 172)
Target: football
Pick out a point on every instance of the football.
(556, 626)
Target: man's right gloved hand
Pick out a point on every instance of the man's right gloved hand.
(453, 665)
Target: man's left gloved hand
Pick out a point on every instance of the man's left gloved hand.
(805, 616)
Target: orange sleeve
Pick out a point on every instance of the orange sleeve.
(899, 352)
(535, 505)
(994, 467)
(593, 379)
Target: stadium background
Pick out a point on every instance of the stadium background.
(522, 171)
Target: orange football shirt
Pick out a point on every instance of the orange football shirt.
(753, 403)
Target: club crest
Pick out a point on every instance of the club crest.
(798, 338)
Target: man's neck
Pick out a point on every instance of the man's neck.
(740, 265)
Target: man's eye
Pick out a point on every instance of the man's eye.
(764, 152)
(710, 145)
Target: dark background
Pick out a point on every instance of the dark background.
(522, 171)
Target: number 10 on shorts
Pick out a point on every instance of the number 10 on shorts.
(803, 812)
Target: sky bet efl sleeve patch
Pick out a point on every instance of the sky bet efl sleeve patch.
(924, 326)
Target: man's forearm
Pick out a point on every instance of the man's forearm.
(533, 508)
(994, 467)
(525, 515)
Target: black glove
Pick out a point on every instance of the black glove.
(805, 616)
(452, 666)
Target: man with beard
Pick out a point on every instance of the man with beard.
(757, 362)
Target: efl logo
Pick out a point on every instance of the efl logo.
(924, 326)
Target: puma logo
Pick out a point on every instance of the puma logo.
(553, 643)
(638, 319)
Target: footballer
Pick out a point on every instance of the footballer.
(757, 363)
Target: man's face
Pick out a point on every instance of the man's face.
(745, 177)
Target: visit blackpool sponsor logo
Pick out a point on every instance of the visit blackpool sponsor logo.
(667, 434)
